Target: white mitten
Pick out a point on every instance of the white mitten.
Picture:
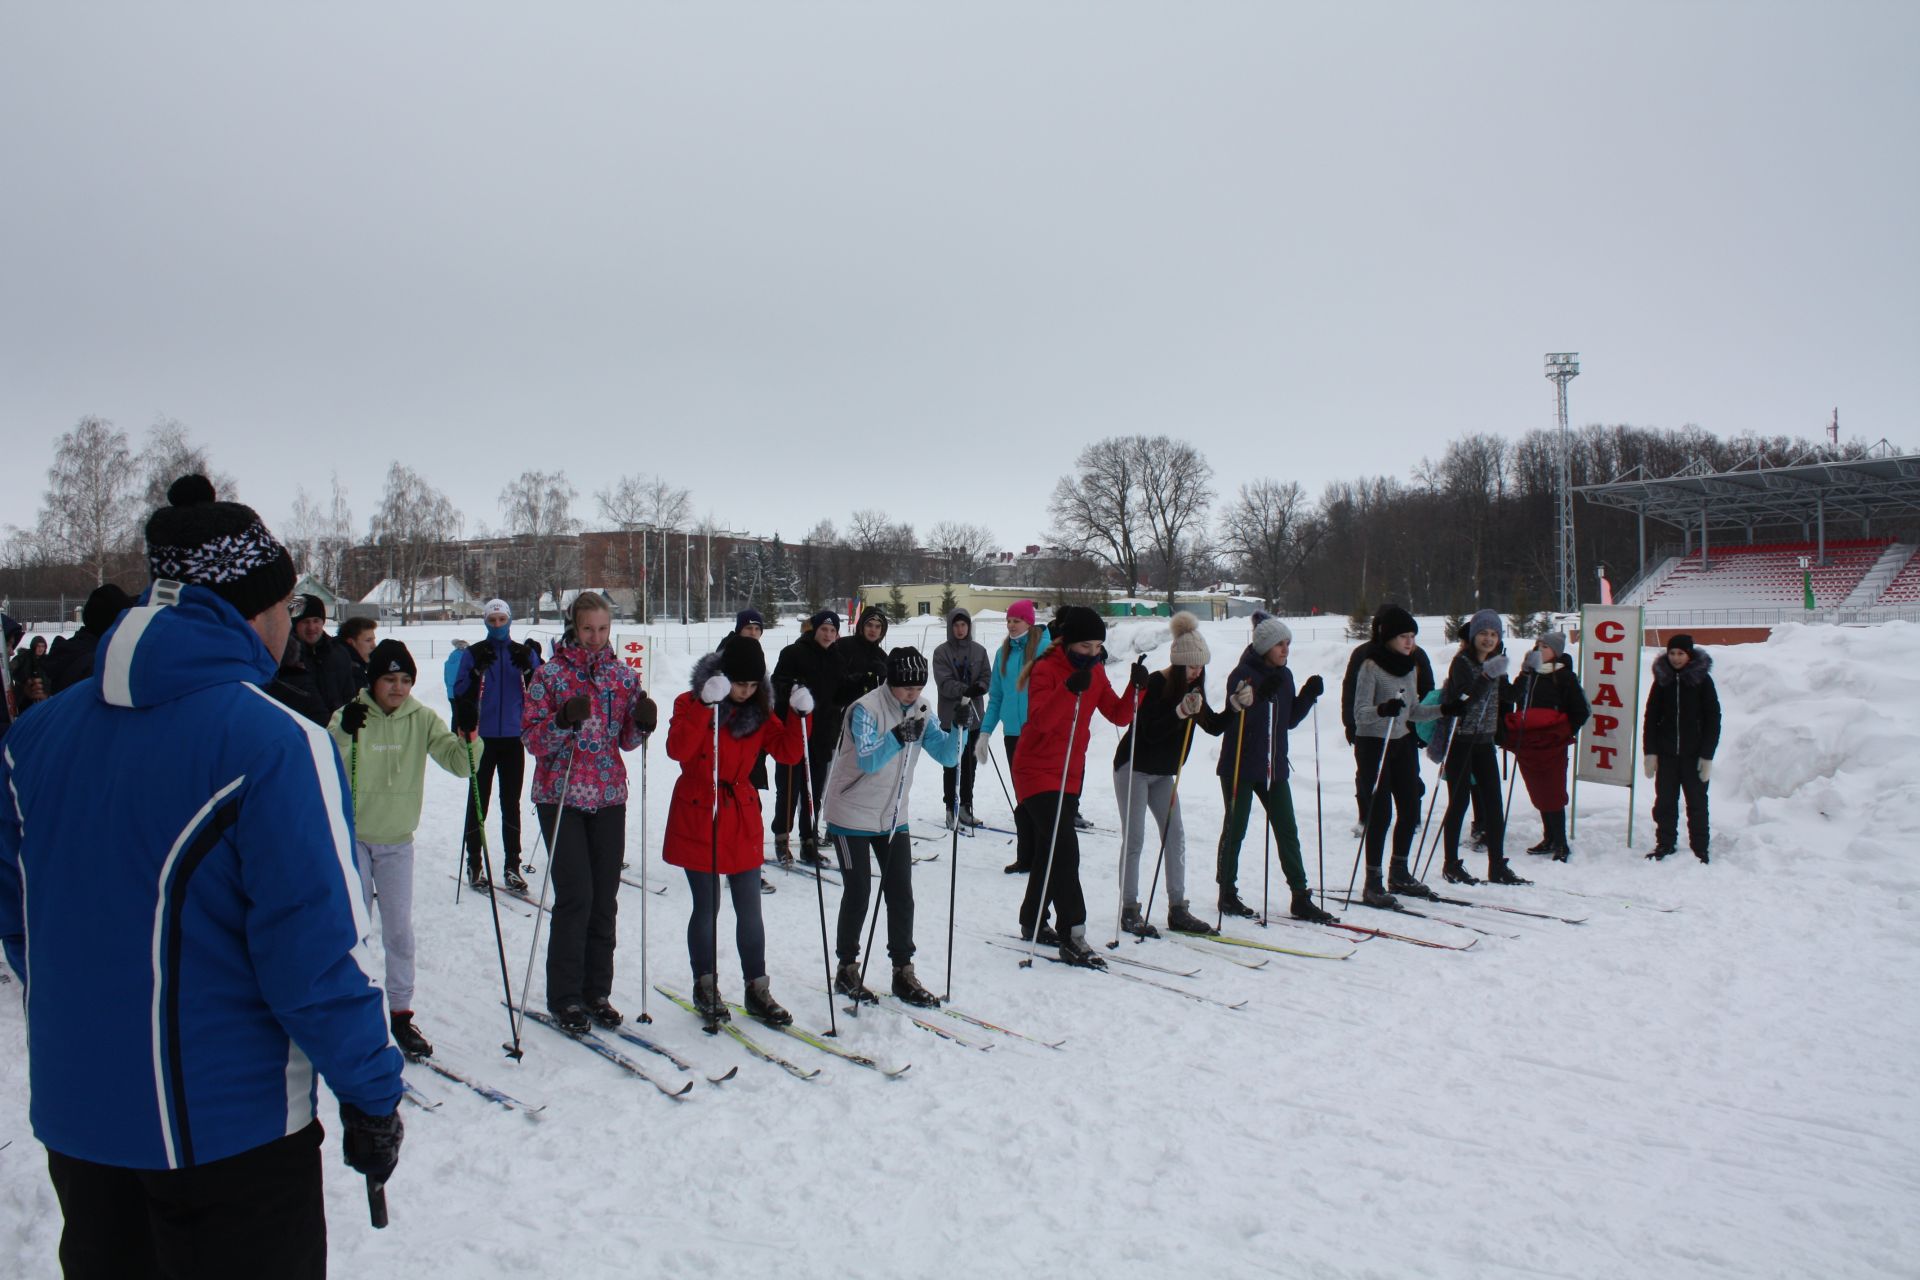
(1650, 765)
(1495, 667)
(716, 688)
(1706, 770)
(801, 700)
(1243, 696)
(981, 747)
(1191, 704)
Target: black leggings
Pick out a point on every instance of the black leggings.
(1047, 814)
(1396, 801)
(1473, 778)
(749, 934)
(507, 759)
(857, 855)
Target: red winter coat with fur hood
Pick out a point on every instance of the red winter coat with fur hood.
(746, 729)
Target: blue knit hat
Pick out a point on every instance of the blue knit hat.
(1486, 620)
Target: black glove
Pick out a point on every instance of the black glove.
(352, 716)
(574, 711)
(1391, 709)
(482, 656)
(977, 690)
(1269, 686)
(466, 715)
(533, 648)
(646, 714)
(522, 658)
(908, 731)
(371, 1144)
(1137, 677)
(1312, 689)
(1078, 682)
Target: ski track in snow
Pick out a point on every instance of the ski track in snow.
(1724, 1090)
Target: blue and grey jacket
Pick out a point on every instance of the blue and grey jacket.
(179, 898)
(866, 792)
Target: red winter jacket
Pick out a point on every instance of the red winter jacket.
(1043, 742)
(689, 841)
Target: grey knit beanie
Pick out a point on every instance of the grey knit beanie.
(1486, 620)
(1189, 646)
(1269, 633)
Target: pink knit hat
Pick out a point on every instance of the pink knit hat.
(1021, 609)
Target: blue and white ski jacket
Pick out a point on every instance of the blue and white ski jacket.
(179, 898)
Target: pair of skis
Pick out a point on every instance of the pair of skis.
(754, 1047)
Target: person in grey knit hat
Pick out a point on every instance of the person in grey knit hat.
(1476, 691)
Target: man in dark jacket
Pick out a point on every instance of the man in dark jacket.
(71, 659)
(1678, 736)
(188, 926)
(489, 693)
(815, 662)
(315, 661)
(961, 669)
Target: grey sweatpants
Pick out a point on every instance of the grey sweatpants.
(1151, 791)
(386, 871)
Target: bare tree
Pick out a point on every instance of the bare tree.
(882, 549)
(1175, 489)
(1097, 512)
(644, 507)
(414, 520)
(538, 507)
(170, 453)
(1262, 534)
(816, 563)
(960, 547)
(90, 515)
(320, 537)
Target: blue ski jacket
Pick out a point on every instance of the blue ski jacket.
(179, 897)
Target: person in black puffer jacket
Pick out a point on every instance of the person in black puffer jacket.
(71, 659)
(314, 661)
(812, 662)
(1678, 736)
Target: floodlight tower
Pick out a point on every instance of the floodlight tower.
(1562, 368)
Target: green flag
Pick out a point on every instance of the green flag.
(1806, 586)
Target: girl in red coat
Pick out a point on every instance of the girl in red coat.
(1068, 678)
(729, 684)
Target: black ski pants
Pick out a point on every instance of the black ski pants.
(1473, 782)
(1050, 818)
(583, 857)
(961, 773)
(1673, 777)
(506, 759)
(703, 926)
(259, 1213)
(790, 792)
(1023, 854)
(1397, 801)
(857, 855)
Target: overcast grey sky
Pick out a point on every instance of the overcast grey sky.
(803, 258)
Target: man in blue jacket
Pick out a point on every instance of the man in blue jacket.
(179, 898)
(489, 687)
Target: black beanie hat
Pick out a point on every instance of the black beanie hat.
(310, 607)
(388, 657)
(906, 667)
(742, 660)
(1393, 621)
(222, 546)
(822, 618)
(748, 618)
(1681, 641)
(105, 604)
(1077, 623)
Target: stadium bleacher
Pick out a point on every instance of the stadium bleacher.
(1905, 587)
(1768, 576)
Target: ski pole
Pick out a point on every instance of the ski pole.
(883, 852)
(1166, 823)
(953, 871)
(1424, 854)
(1059, 807)
(1266, 801)
(1373, 799)
(819, 891)
(546, 883)
(1506, 810)
(714, 816)
(376, 1203)
(479, 815)
(645, 890)
(1233, 802)
(499, 939)
(1126, 825)
(1319, 819)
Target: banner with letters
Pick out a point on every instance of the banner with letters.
(1610, 638)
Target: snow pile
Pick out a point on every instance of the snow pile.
(1709, 1077)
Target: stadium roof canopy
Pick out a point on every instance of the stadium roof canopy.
(1877, 485)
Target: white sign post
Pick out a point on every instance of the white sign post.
(1610, 640)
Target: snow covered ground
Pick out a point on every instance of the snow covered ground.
(1719, 1089)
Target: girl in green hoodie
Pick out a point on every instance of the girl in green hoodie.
(386, 735)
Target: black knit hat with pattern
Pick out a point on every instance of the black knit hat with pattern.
(906, 668)
(390, 657)
(223, 546)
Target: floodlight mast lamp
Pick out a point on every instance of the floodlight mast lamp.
(1562, 368)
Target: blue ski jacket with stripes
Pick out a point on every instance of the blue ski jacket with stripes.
(179, 897)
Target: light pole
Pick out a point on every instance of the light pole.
(1562, 368)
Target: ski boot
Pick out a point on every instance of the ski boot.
(1545, 846)
(1401, 880)
(1230, 905)
(766, 886)
(908, 988)
(1048, 938)
(810, 852)
(604, 1013)
(1498, 872)
(573, 1018)
(966, 817)
(761, 1004)
(1131, 922)
(1303, 908)
(783, 851)
(1074, 950)
(477, 877)
(1376, 895)
(1662, 850)
(1181, 920)
(846, 980)
(1017, 868)
(513, 880)
(408, 1036)
(1081, 824)
(1455, 872)
(1561, 849)
(707, 1000)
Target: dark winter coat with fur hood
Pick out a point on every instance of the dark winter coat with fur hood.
(864, 659)
(746, 729)
(1683, 710)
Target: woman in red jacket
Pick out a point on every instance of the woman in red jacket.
(1064, 688)
(730, 685)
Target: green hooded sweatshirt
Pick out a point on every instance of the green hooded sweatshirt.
(388, 766)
